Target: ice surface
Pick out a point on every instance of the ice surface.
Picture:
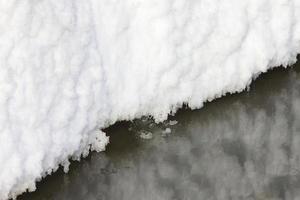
(69, 68)
(173, 122)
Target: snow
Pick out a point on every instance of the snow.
(69, 68)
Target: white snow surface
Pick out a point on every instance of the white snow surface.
(71, 67)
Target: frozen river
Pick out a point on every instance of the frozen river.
(242, 146)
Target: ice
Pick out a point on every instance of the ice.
(147, 135)
(173, 122)
(70, 68)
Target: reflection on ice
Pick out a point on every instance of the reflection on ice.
(244, 146)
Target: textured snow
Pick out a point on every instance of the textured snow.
(69, 68)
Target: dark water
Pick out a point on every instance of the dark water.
(242, 146)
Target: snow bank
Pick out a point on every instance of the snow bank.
(69, 68)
